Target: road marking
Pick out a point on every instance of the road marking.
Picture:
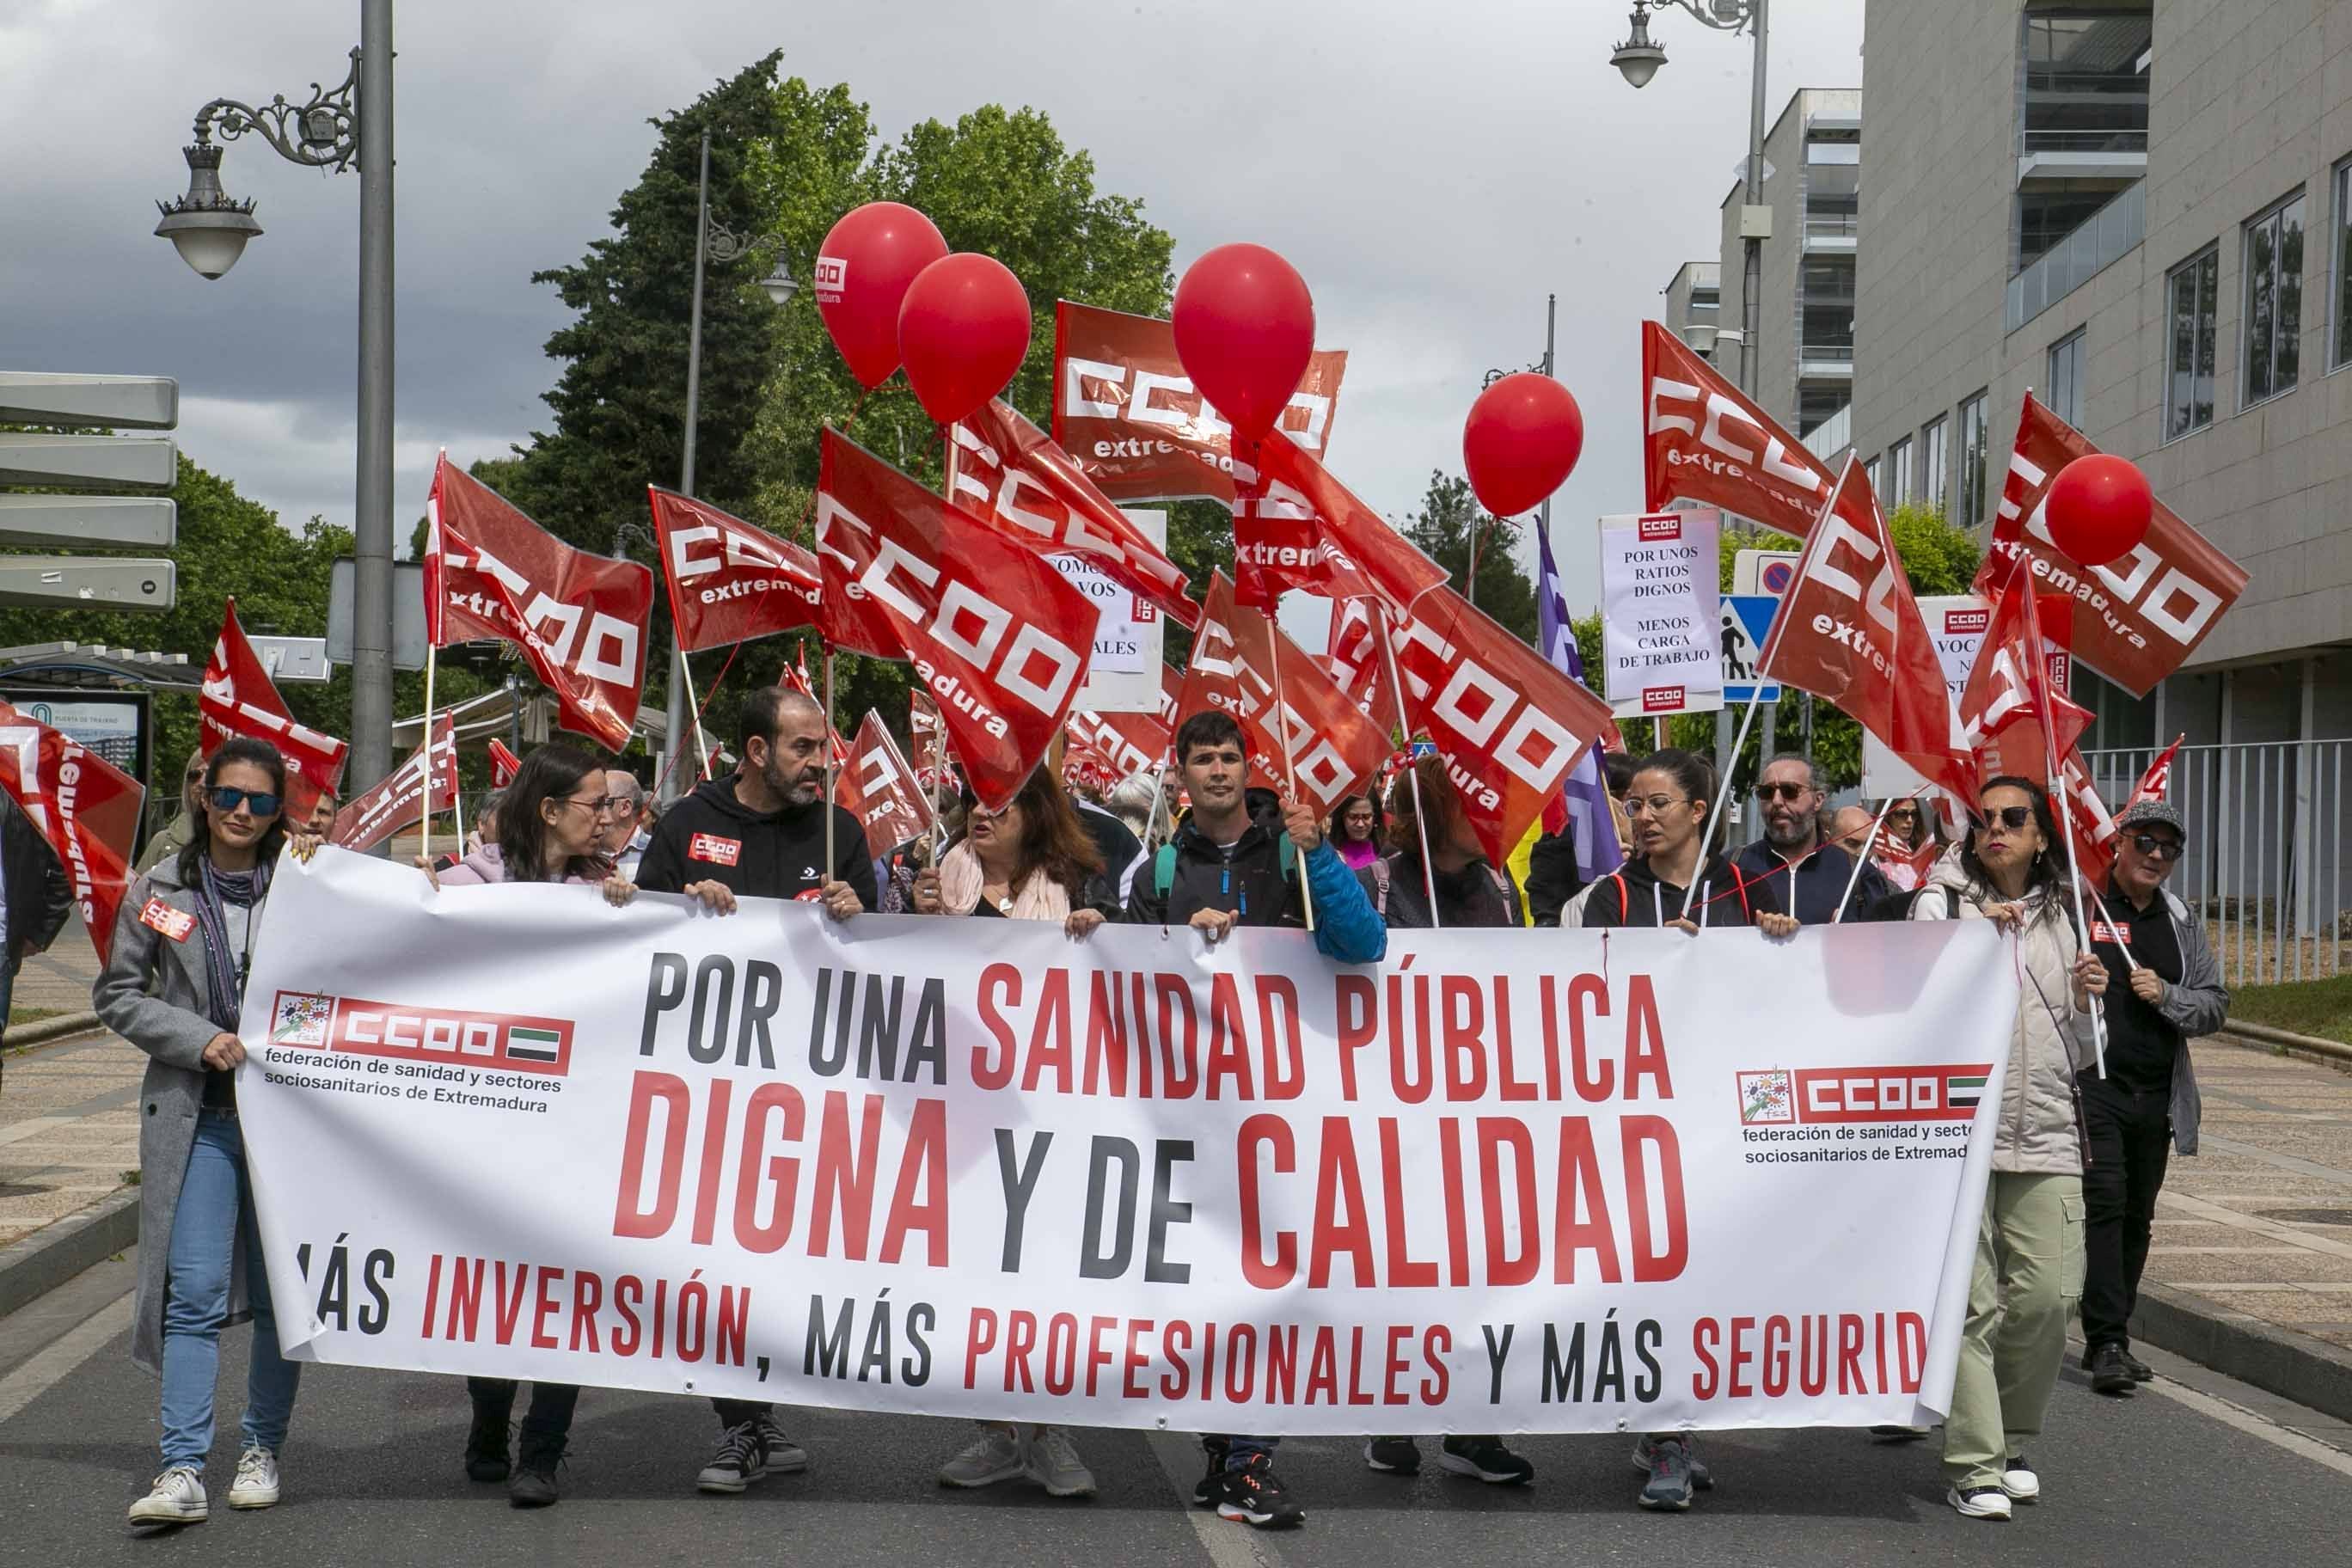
(51, 1365)
(2253, 1425)
(1229, 1542)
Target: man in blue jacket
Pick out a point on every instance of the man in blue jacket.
(1229, 865)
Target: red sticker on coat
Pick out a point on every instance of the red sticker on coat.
(161, 917)
(2106, 930)
(716, 851)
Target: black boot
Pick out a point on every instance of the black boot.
(534, 1478)
(2108, 1373)
(486, 1442)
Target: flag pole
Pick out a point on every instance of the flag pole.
(424, 824)
(1860, 861)
(1289, 767)
(1411, 770)
(832, 768)
(2057, 780)
(694, 714)
(1723, 790)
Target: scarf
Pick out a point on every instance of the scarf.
(1039, 896)
(216, 889)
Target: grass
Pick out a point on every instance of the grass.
(33, 1014)
(2318, 1008)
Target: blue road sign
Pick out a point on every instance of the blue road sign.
(1747, 620)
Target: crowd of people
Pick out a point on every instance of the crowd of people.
(2076, 1162)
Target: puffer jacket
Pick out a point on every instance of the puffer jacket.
(2050, 1043)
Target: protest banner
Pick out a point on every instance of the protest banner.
(1541, 1181)
(1661, 611)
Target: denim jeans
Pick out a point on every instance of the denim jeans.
(216, 1208)
(1240, 1450)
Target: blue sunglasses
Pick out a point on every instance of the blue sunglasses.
(265, 804)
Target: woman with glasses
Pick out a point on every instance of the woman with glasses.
(2012, 870)
(1034, 861)
(172, 985)
(1358, 837)
(553, 820)
(1905, 837)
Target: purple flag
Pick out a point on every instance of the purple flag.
(1586, 792)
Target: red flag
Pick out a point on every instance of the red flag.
(1007, 471)
(2157, 783)
(2093, 825)
(239, 698)
(83, 806)
(504, 766)
(1703, 441)
(729, 582)
(890, 800)
(579, 618)
(2135, 620)
(1128, 416)
(1331, 746)
(1121, 743)
(1509, 725)
(997, 634)
(2014, 710)
(1294, 526)
(1356, 662)
(399, 801)
(1849, 631)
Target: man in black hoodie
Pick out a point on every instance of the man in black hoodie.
(762, 833)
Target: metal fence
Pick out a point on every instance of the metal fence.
(2267, 848)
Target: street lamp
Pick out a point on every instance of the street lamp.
(349, 126)
(1638, 59)
(714, 242)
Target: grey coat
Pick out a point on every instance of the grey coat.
(154, 992)
(2198, 1005)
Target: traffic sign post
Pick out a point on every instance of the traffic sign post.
(63, 462)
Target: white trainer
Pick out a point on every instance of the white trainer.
(256, 1478)
(998, 1454)
(178, 1497)
(1055, 1465)
(2018, 1480)
(1979, 1502)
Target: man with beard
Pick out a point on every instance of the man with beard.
(1790, 870)
(762, 833)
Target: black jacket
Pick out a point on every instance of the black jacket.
(1633, 896)
(778, 854)
(39, 895)
(1553, 876)
(1250, 883)
(1473, 896)
(1811, 888)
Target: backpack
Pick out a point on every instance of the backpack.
(1163, 865)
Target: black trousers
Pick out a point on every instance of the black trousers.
(735, 1411)
(551, 1403)
(2129, 1138)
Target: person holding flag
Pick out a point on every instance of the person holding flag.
(1579, 838)
(2011, 870)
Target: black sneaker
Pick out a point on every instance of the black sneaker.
(1210, 1491)
(534, 1472)
(1254, 1496)
(741, 1459)
(1396, 1456)
(1487, 1459)
(486, 1445)
(2141, 1372)
(2108, 1373)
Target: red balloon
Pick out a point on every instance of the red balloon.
(1521, 442)
(963, 331)
(2098, 509)
(1245, 330)
(863, 271)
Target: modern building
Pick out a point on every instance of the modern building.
(2143, 212)
(1695, 304)
(1804, 335)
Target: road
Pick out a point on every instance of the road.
(2196, 1469)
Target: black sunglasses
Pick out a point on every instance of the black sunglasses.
(2160, 848)
(264, 804)
(1783, 791)
(2012, 817)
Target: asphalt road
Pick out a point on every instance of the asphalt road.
(2194, 1470)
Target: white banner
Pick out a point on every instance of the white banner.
(1123, 676)
(1660, 612)
(1510, 1181)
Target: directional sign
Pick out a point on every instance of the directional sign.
(51, 461)
(1747, 621)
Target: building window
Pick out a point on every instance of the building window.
(2191, 297)
(1870, 473)
(2273, 300)
(1971, 497)
(2086, 80)
(1898, 472)
(1931, 461)
(2066, 396)
(2343, 248)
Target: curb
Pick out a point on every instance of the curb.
(49, 1029)
(55, 1253)
(2261, 1037)
(2310, 1372)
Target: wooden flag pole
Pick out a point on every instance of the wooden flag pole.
(1412, 767)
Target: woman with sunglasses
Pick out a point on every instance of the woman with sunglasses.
(1904, 836)
(2029, 1247)
(172, 985)
(1667, 802)
(1034, 861)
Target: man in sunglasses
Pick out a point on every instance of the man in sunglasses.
(1791, 870)
(2163, 990)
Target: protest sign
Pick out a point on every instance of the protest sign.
(1661, 613)
(1956, 624)
(1123, 675)
(1540, 1180)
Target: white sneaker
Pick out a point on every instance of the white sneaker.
(256, 1478)
(1979, 1502)
(1056, 1465)
(178, 1497)
(2018, 1480)
(997, 1454)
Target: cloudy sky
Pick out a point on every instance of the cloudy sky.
(1434, 170)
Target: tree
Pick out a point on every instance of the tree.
(1442, 529)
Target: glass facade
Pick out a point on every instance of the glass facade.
(2191, 298)
(2064, 396)
(2086, 80)
(1898, 473)
(2273, 300)
(2342, 248)
(1970, 503)
(1931, 460)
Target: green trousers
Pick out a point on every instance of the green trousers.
(2028, 1277)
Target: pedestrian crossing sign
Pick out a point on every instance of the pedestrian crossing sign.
(1747, 620)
